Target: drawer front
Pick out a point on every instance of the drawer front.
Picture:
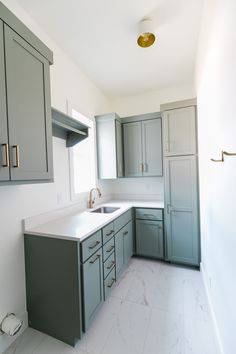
(109, 265)
(109, 283)
(91, 245)
(148, 214)
(108, 232)
(108, 249)
(122, 220)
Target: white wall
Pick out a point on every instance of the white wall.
(143, 188)
(18, 202)
(216, 92)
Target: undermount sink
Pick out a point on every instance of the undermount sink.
(104, 210)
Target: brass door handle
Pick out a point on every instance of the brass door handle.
(110, 249)
(6, 154)
(17, 149)
(112, 282)
(94, 245)
(111, 265)
(109, 233)
(95, 259)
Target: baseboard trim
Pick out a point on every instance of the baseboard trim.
(6, 341)
(212, 311)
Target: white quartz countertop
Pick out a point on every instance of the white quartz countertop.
(78, 226)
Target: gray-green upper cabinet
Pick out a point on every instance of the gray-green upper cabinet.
(181, 211)
(26, 150)
(143, 148)
(179, 131)
(133, 149)
(109, 146)
(4, 147)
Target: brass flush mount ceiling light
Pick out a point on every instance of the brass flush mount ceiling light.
(146, 36)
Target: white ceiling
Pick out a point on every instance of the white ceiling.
(100, 35)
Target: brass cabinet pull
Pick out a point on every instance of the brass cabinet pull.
(17, 148)
(110, 285)
(94, 245)
(95, 259)
(110, 233)
(111, 265)
(6, 153)
(141, 167)
(125, 233)
(149, 215)
(110, 249)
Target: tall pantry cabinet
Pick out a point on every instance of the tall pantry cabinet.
(181, 182)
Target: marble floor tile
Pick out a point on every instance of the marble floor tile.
(165, 333)
(155, 308)
(27, 342)
(129, 331)
(94, 339)
(199, 336)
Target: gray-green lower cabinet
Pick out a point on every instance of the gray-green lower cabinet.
(123, 247)
(149, 238)
(92, 283)
(149, 232)
(128, 242)
(53, 287)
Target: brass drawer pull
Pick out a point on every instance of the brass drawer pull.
(149, 215)
(94, 245)
(112, 282)
(110, 249)
(95, 259)
(6, 153)
(110, 233)
(125, 233)
(111, 265)
(17, 148)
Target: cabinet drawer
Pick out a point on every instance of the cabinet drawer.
(108, 248)
(122, 220)
(91, 245)
(109, 283)
(148, 214)
(109, 265)
(108, 232)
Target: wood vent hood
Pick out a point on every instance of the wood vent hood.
(68, 128)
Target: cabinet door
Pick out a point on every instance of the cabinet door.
(119, 150)
(106, 149)
(4, 160)
(128, 241)
(180, 131)
(152, 147)
(149, 238)
(181, 209)
(119, 252)
(133, 149)
(92, 271)
(29, 109)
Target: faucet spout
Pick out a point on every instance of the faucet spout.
(91, 199)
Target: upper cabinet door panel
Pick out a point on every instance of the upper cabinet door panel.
(180, 132)
(133, 149)
(4, 168)
(29, 109)
(152, 147)
(119, 150)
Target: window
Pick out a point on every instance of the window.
(82, 160)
